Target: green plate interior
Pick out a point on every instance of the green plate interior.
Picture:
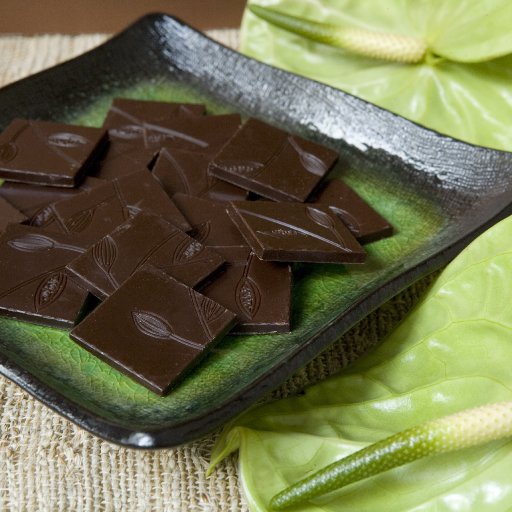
(438, 194)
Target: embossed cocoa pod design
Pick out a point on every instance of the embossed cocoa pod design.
(325, 220)
(211, 310)
(34, 243)
(67, 140)
(201, 231)
(80, 220)
(248, 297)
(153, 325)
(354, 224)
(187, 250)
(43, 217)
(310, 162)
(49, 290)
(104, 253)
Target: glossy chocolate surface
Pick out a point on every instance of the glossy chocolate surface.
(146, 238)
(362, 220)
(259, 292)
(33, 283)
(272, 162)
(154, 328)
(211, 224)
(47, 153)
(200, 134)
(29, 199)
(126, 117)
(295, 232)
(187, 172)
(96, 212)
(9, 214)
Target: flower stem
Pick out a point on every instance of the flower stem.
(464, 429)
(367, 43)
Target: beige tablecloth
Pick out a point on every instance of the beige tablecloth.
(49, 464)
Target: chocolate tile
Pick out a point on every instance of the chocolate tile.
(362, 220)
(259, 292)
(154, 329)
(187, 172)
(47, 153)
(9, 214)
(295, 232)
(96, 212)
(33, 283)
(272, 163)
(144, 239)
(29, 199)
(211, 224)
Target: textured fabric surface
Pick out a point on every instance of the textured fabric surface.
(49, 464)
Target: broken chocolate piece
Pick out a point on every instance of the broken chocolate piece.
(33, 283)
(272, 162)
(154, 329)
(9, 214)
(201, 134)
(96, 212)
(126, 118)
(211, 224)
(29, 199)
(259, 292)
(145, 238)
(364, 222)
(187, 172)
(47, 153)
(295, 232)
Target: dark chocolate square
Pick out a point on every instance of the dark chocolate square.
(146, 238)
(154, 329)
(362, 220)
(259, 292)
(272, 163)
(47, 153)
(187, 172)
(33, 283)
(295, 232)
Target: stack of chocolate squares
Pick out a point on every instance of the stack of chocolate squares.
(157, 234)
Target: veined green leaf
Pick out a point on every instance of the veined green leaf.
(463, 87)
(451, 353)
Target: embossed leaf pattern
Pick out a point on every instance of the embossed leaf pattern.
(49, 290)
(211, 310)
(43, 217)
(248, 297)
(151, 324)
(186, 250)
(31, 243)
(310, 162)
(80, 220)
(321, 218)
(104, 253)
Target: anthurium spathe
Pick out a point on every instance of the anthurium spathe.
(450, 354)
(458, 82)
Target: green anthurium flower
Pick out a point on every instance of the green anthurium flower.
(444, 64)
(449, 355)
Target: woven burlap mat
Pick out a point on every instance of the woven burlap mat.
(49, 464)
